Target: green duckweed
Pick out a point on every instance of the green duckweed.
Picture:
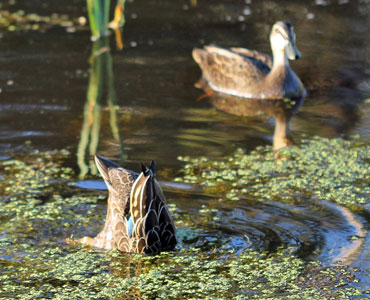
(21, 21)
(40, 208)
(327, 169)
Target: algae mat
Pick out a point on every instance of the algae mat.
(40, 207)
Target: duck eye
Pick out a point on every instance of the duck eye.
(277, 30)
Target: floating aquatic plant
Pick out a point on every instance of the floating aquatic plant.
(21, 21)
(98, 14)
(327, 169)
(38, 209)
(52, 273)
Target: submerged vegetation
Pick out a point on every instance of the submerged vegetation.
(40, 208)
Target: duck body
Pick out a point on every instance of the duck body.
(138, 219)
(251, 74)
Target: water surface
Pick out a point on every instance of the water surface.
(46, 82)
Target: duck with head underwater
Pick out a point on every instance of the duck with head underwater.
(138, 219)
(247, 73)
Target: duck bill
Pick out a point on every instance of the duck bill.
(292, 52)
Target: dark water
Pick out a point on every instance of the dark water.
(46, 84)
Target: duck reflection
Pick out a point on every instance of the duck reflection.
(281, 110)
(101, 79)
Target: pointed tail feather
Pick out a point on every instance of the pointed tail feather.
(152, 221)
(104, 165)
(137, 202)
(100, 160)
(158, 219)
(152, 167)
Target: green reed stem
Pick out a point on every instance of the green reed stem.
(92, 19)
(98, 12)
(106, 13)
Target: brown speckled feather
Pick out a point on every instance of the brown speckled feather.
(153, 226)
(119, 182)
(259, 56)
(251, 74)
(140, 197)
(227, 71)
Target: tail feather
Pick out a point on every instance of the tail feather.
(153, 229)
(155, 219)
(198, 55)
(137, 204)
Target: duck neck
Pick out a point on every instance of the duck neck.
(280, 60)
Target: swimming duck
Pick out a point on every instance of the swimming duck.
(138, 219)
(251, 74)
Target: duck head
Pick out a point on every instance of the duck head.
(282, 39)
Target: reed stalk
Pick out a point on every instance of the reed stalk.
(98, 13)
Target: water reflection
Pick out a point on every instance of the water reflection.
(101, 80)
(281, 110)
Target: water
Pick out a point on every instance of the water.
(334, 69)
(45, 82)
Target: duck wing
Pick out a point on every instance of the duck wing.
(264, 58)
(228, 71)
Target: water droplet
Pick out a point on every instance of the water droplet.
(71, 29)
(321, 2)
(310, 16)
(82, 20)
(247, 11)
